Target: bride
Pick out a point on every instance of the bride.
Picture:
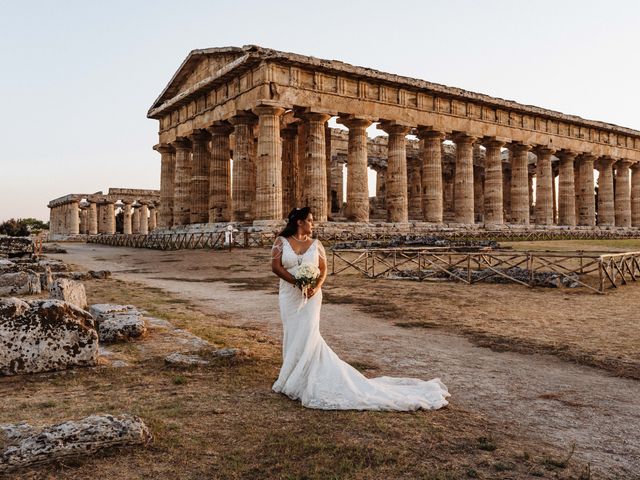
(311, 372)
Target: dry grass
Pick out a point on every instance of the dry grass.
(223, 421)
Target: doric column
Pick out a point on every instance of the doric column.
(220, 173)
(302, 142)
(83, 221)
(554, 191)
(432, 188)
(381, 186)
(544, 186)
(606, 211)
(269, 164)
(414, 188)
(506, 191)
(289, 158)
(126, 219)
(106, 218)
(92, 218)
(478, 193)
(337, 188)
(463, 190)
(635, 195)
(623, 194)
(519, 183)
(327, 153)
(153, 218)
(567, 193)
(493, 183)
(314, 167)
(357, 177)
(200, 165)
(182, 182)
(135, 219)
(396, 178)
(586, 192)
(167, 179)
(144, 219)
(74, 218)
(243, 190)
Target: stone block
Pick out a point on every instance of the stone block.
(20, 283)
(22, 445)
(45, 335)
(118, 322)
(69, 291)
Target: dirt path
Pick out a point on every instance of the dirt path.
(550, 398)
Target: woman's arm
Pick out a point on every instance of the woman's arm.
(276, 263)
(322, 265)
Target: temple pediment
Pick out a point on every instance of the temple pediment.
(198, 66)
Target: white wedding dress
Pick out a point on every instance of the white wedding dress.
(312, 373)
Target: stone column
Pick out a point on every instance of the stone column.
(144, 219)
(357, 177)
(635, 195)
(478, 193)
(153, 218)
(269, 164)
(74, 218)
(289, 157)
(182, 182)
(314, 168)
(302, 142)
(396, 178)
(586, 193)
(200, 165)
(414, 188)
(432, 188)
(126, 219)
(83, 221)
(623, 194)
(243, 190)
(135, 220)
(506, 191)
(493, 183)
(519, 183)
(337, 176)
(167, 179)
(220, 173)
(92, 218)
(327, 152)
(544, 186)
(554, 191)
(567, 193)
(606, 211)
(463, 190)
(107, 218)
(381, 186)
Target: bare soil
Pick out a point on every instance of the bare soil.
(512, 415)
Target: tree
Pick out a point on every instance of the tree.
(22, 227)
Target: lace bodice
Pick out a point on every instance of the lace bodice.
(291, 260)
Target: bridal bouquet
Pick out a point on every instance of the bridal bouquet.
(307, 277)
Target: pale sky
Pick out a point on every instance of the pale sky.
(79, 76)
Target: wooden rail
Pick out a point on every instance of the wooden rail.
(592, 271)
(178, 241)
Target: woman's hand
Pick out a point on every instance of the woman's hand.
(311, 291)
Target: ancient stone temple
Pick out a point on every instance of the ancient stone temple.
(96, 213)
(244, 136)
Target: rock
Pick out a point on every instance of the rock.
(45, 335)
(28, 446)
(20, 283)
(226, 352)
(14, 247)
(118, 322)
(178, 359)
(69, 291)
(101, 274)
(6, 264)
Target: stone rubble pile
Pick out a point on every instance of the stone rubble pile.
(16, 247)
(23, 445)
(45, 335)
(118, 322)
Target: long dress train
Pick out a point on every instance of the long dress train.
(312, 373)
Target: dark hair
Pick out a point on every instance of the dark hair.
(292, 221)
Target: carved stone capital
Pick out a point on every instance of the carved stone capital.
(424, 133)
(268, 110)
(164, 148)
(243, 118)
(463, 138)
(199, 136)
(315, 117)
(518, 147)
(181, 143)
(220, 129)
(352, 122)
(394, 128)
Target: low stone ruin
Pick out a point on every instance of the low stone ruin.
(118, 322)
(45, 335)
(22, 445)
(16, 247)
(69, 291)
(180, 359)
(416, 241)
(20, 283)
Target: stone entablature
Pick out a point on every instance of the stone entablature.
(215, 84)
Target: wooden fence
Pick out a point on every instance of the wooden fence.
(591, 271)
(177, 241)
